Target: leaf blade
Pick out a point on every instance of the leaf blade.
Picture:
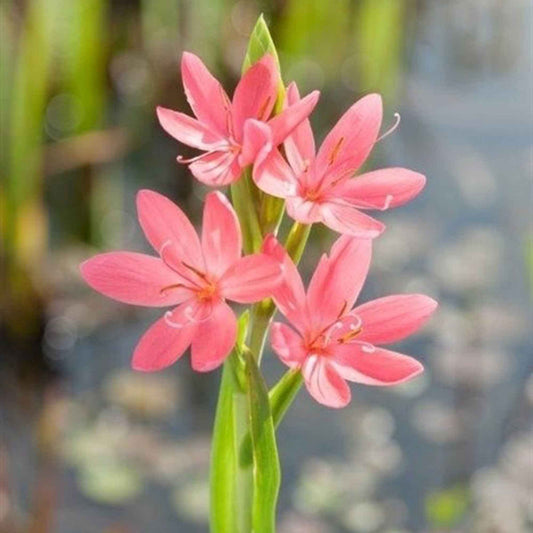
(266, 468)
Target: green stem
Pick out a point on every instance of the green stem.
(244, 203)
(296, 241)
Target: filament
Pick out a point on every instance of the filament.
(397, 118)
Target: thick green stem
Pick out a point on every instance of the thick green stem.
(296, 241)
(242, 196)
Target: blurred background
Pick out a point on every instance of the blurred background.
(87, 445)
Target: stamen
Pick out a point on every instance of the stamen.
(367, 347)
(263, 108)
(169, 287)
(343, 308)
(184, 161)
(195, 270)
(171, 323)
(169, 264)
(329, 332)
(392, 128)
(335, 152)
(388, 201)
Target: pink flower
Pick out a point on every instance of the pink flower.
(331, 342)
(196, 276)
(318, 188)
(233, 134)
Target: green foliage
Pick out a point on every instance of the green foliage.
(377, 40)
(445, 508)
(266, 468)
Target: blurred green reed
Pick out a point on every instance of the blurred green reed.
(58, 61)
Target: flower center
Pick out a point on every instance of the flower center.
(206, 292)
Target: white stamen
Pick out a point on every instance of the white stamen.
(367, 347)
(392, 128)
(388, 201)
(170, 322)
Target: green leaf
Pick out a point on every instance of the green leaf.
(281, 397)
(266, 469)
(223, 463)
(231, 486)
(260, 43)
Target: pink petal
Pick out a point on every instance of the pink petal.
(324, 383)
(256, 142)
(287, 344)
(357, 363)
(251, 279)
(381, 189)
(274, 176)
(338, 279)
(346, 219)
(304, 211)
(214, 339)
(300, 145)
(285, 123)
(169, 231)
(132, 278)
(350, 141)
(205, 95)
(188, 130)
(256, 93)
(161, 346)
(191, 312)
(217, 169)
(221, 234)
(393, 318)
(289, 295)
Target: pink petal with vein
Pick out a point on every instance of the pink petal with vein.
(324, 383)
(214, 339)
(352, 138)
(221, 234)
(338, 279)
(256, 142)
(287, 344)
(133, 278)
(161, 346)
(392, 318)
(217, 169)
(285, 123)
(378, 367)
(289, 295)
(381, 189)
(188, 130)
(251, 279)
(348, 220)
(169, 231)
(274, 176)
(300, 144)
(304, 211)
(205, 95)
(256, 93)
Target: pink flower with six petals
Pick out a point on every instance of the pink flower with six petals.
(333, 342)
(317, 186)
(197, 276)
(234, 134)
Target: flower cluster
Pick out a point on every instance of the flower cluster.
(327, 340)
